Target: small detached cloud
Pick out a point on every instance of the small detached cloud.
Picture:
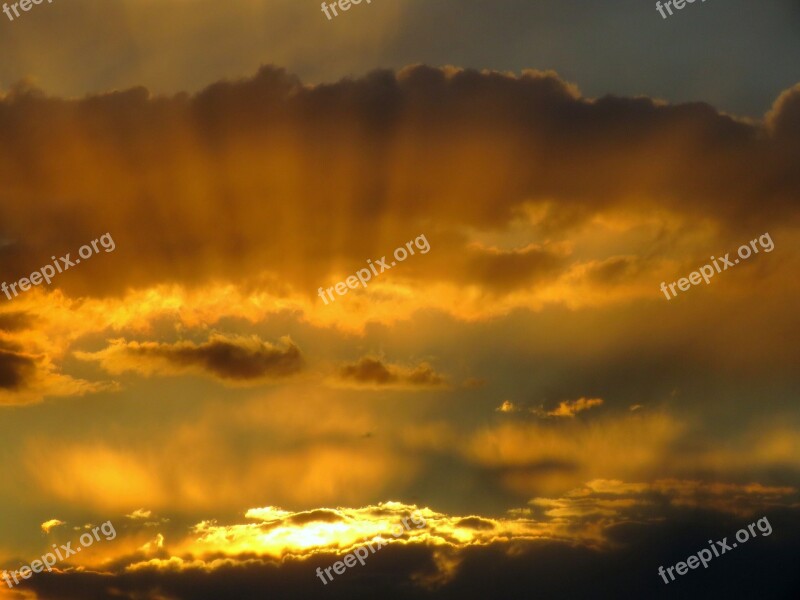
(47, 526)
(154, 545)
(231, 359)
(140, 513)
(569, 408)
(507, 407)
(373, 373)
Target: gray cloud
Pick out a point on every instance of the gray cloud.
(15, 369)
(233, 359)
(373, 372)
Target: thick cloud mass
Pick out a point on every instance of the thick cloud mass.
(267, 176)
(503, 569)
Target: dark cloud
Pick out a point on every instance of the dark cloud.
(424, 376)
(613, 270)
(614, 46)
(15, 369)
(321, 515)
(374, 372)
(234, 358)
(763, 567)
(475, 523)
(502, 272)
(228, 360)
(368, 370)
(27, 376)
(15, 321)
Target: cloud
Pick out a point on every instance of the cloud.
(47, 526)
(614, 500)
(140, 513)
(592, 527)
(507, 406)
(15, 321)
(569, 408)
(282, 533)
(613, 270)
(153, 546)
(105, 477)
(15, 370)
(517, 157)
(501, 271)
(373, 373)
(523, 227)
(231, 359)
(95, 475)
(783, 119)
(570, 451)
(27, 378)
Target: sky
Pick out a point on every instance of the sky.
(273, 283)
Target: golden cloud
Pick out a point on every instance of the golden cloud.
(569, 408)
(47, 526)
(543, 457)
(201, 156)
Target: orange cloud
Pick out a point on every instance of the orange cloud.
(556, 456)
(95, 476)
(106, 478)
(191, 147)
(569, 408)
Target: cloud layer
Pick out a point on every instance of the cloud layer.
(193, 159)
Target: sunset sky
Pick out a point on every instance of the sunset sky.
(523, 384)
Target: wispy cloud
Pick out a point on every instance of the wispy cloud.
(570, 408)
